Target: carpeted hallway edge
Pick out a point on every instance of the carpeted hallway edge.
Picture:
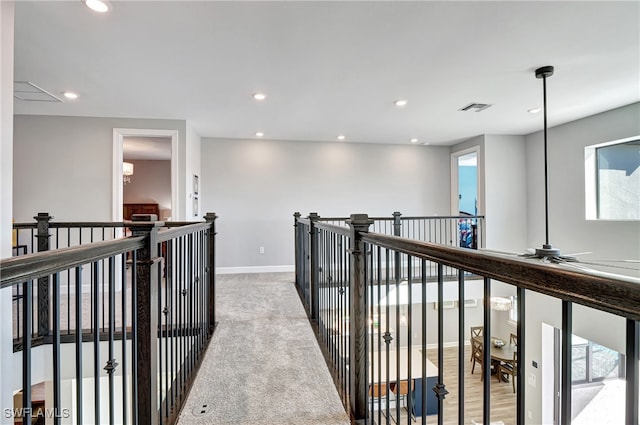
(263, 365)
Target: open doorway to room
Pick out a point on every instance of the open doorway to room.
(147, 176)
(464, 195)
(145, 173)
(468, 183)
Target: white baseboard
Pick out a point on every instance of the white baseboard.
(255, 269)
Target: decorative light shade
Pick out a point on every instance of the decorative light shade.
(127, 172)
(500, 304)
(127, 169)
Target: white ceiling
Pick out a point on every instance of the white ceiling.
(331, 67)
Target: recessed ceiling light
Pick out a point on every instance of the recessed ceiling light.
(341, 137)
(70, 95)
(400, 102)
(534, 110)
(414, 140)
(97, 5)
(259, 96)
(259, 134)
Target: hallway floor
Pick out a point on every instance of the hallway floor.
(263, 365)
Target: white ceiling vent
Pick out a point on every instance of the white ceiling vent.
(29, 92)
(475, 107)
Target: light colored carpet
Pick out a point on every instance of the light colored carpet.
(263, 365)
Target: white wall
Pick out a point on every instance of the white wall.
(571, 232)
(505, 194)
(64, 165)
(568, 228)
(255, 186)
(6, 193)
(151, 182)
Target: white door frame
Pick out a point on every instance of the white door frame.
(455, 204)
(118, 137)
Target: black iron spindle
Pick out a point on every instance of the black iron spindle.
(486, 353)
(565, 380)
(96, 342)
(26, 351)
(78, 342)
(55, 346)
(632, 371)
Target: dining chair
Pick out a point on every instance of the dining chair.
(476, 331)
(513, 339)
(378, 394)
(476, 355)
(401, 390)
(510, 367)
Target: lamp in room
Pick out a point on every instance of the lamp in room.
(127, 172)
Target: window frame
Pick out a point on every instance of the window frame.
(592, 195)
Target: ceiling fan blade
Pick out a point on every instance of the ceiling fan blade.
(617, 261)
(583, 268)
(495, 251)
(577, 254)
(612, 266)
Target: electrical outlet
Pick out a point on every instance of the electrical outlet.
(529, 414)
(261, 250)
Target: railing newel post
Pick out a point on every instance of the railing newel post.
(315, 266)
(397, 223)
(359, 390)
(211, 268)
(43, 220)
(296, 247)
(146, 397)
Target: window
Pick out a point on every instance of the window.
(613, 180)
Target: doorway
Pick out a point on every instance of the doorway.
(464, 195)
(468, 184)
(155, 152)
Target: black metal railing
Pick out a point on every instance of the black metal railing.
(381, 319)
(131, 317)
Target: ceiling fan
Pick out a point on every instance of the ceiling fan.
(548, 253)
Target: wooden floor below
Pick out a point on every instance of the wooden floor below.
(503, 399)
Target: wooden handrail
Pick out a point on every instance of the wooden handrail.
(615, 294)
(28, 267)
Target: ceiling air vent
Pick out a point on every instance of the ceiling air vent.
(475, 107)
(29, 92)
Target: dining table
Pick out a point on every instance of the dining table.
(499, 354)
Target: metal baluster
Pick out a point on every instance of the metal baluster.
(134, 336)
(440, 389)
(56, 348)
(123, 312)
(461, 354)
(26, 351)
(96, 343)
(78, 341)
(486, 353)
(632, 371)
(520, 356)
(565, 380)
(424, 342)
(110, 368)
